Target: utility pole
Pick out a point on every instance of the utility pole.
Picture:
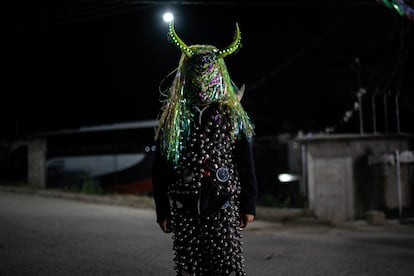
(397, 110)
(374, 110)
(360, 93)
(356, 66)
(385, 95)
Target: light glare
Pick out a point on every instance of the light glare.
(168, 17)
(287, 177)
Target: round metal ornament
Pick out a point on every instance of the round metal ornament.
(222, 174)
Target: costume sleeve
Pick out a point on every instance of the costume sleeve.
(162, 176)
(247, 176)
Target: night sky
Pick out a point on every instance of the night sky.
(67, 64)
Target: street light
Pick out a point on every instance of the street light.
(168, 17)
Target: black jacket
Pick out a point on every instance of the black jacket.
(163, 174)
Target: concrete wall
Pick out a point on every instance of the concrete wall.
(331, 188)
(342, 185)
(36, 158)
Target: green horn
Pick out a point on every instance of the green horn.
(233, 47)
(177, 41)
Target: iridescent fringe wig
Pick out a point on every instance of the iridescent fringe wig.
(174, 119)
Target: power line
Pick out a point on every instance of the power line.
(260, 3)
(292, 60)
(80, 13)
(67, 12)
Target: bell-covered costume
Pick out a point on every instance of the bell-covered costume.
(203, 172)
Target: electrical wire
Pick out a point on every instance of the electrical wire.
(292, 59)
(395, 78)
(259, 3)
(68, 12)
(78, 13)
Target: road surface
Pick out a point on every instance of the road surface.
(51, 236)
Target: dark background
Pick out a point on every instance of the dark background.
(67, 64)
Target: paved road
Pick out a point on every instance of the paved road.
(50, 236)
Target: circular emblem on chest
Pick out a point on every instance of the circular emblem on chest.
(222, 174)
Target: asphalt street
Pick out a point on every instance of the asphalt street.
(51, 236)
